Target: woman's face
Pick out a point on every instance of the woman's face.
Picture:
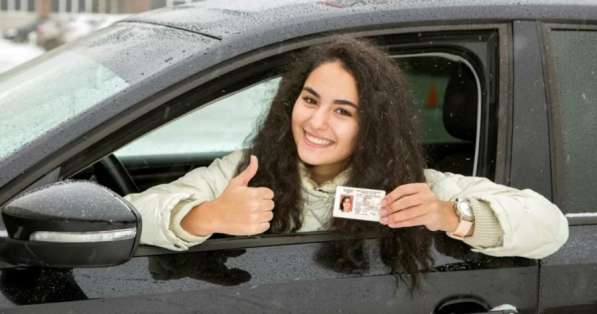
(347, 204)
(325, 120)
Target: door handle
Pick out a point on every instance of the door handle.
(470, 304)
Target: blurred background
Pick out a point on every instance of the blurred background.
(30, 27)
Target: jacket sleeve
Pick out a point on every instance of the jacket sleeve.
(508, 221)
(162, 207)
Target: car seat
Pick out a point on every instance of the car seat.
(460, 121)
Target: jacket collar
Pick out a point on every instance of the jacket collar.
(327, 186)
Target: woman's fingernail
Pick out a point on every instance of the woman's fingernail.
(384, 220)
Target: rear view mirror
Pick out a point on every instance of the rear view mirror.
(69, 224)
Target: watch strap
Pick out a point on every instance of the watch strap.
(463, 229)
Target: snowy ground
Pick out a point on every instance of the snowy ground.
(12, 54)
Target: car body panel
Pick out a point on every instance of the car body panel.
(265, 278)
(530, 158)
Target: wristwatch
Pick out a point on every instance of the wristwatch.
(464, 210)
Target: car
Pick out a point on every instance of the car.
(505, 90)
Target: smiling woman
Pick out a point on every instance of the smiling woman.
(342, 116)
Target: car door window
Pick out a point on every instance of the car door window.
(443, 88)
(574, 53)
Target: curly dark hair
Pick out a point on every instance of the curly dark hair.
(387, 154)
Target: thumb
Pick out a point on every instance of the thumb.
(246, 175)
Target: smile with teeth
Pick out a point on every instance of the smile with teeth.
(317, 140)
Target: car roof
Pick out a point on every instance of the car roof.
(223, 19)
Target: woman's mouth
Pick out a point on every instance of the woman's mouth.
(315, 141)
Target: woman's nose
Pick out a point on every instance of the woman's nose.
(319, 119)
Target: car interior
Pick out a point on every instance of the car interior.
(459, 117)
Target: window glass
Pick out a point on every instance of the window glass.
(37, 99)
(574, 55)
(222, 126)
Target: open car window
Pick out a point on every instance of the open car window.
(444, 89)
(449, 90)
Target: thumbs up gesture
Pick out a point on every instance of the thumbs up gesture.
(239, 210)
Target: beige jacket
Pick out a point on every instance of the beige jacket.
(508, 222)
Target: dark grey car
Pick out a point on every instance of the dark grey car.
(506, 90)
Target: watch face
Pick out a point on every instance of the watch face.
(464, 210)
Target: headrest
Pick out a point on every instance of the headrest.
(460, 104)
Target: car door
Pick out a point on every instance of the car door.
(568, 278)
(304, 272)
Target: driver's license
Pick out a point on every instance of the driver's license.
(357, 203)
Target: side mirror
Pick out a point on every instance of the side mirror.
(69, 224)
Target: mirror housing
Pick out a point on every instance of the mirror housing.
(69, 224)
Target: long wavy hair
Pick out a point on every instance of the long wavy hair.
(387, 154)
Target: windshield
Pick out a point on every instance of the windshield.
(39, 97)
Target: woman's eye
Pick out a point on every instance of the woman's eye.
(344, 112)
(309, 100)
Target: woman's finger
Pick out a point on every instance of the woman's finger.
(265, 216)
(407, 214)
(267, 205)
(258, 228)
(262, 193)
(404, 203)
(416, 221)
(403, 190)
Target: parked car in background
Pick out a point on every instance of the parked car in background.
(505, 89)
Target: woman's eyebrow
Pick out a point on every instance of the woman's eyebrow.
(346, 102)
(336, 101)
(311, 90)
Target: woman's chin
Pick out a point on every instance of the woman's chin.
(311, 159)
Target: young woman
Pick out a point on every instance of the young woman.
(342, 116)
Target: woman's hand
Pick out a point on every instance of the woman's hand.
(239, 210)
(416, 205)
